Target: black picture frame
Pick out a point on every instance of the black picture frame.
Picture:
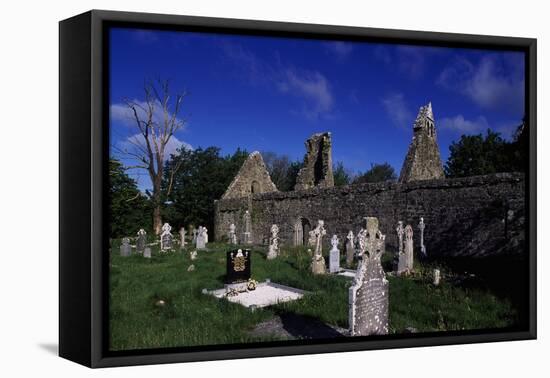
(83, 140)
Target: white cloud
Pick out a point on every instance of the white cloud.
(340, 49)
(464, 126)
(121, 113)
(313, 87)
(398, 110)
(493, 83)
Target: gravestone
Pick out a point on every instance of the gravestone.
(238, 266)
(247, 234)
(421, 227)
(437, 277)
(409, 248)
(193, 255)
(368, 297)
(311, 240)
(334, 255)
(182, 237)
(318, 261)
(147, 252)
(166, 237)
(400, 232)
(125, 247)
(401, 267)
(273, 243)
(194, 232)
(201, 238)
(232, 235)
(141, 240)
(361, 242)
(350, 249)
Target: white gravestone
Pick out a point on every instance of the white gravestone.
(147, 252)
(368, 297)
(273, 243)
(125, 247)
(437, 277)
(350, 249)
(247, 234)
(202, 237)
(166, 237)
(401, 257)
(232, 235)
(318, 261)
(409, 247)
(334, 255)
(141, 240)
(421, 227)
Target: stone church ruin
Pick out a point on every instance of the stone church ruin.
(317, 169)
(471, 216)
(423, 161)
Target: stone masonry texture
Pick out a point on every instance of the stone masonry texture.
(252, 178)
(317, 169)
(473, 216)
(423, 161)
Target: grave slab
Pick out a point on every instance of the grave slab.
(266, 294)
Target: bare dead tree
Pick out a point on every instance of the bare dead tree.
(157, 120)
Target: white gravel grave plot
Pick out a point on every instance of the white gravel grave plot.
(265, 294)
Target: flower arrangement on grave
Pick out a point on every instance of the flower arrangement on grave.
(252, 284)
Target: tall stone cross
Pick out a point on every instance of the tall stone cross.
(247, 234)
(350, 249)
(400, 232)
(368, 296)
(421, 227)
(409, 247)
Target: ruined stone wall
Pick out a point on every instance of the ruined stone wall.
(423, 161)
(472, 216)
(317, 169)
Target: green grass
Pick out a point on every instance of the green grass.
(190, 318)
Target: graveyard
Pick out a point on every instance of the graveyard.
(421, 255)
(158, 302)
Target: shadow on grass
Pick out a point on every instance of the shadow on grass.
(306, 327)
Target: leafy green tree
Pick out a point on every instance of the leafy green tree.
(201, 177)
(480, 155)
(130, 210)
(342, 176)
(376, 173)
(282, 170)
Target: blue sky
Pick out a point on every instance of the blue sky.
(271, 94)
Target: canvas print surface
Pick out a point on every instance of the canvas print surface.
(267, 189)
